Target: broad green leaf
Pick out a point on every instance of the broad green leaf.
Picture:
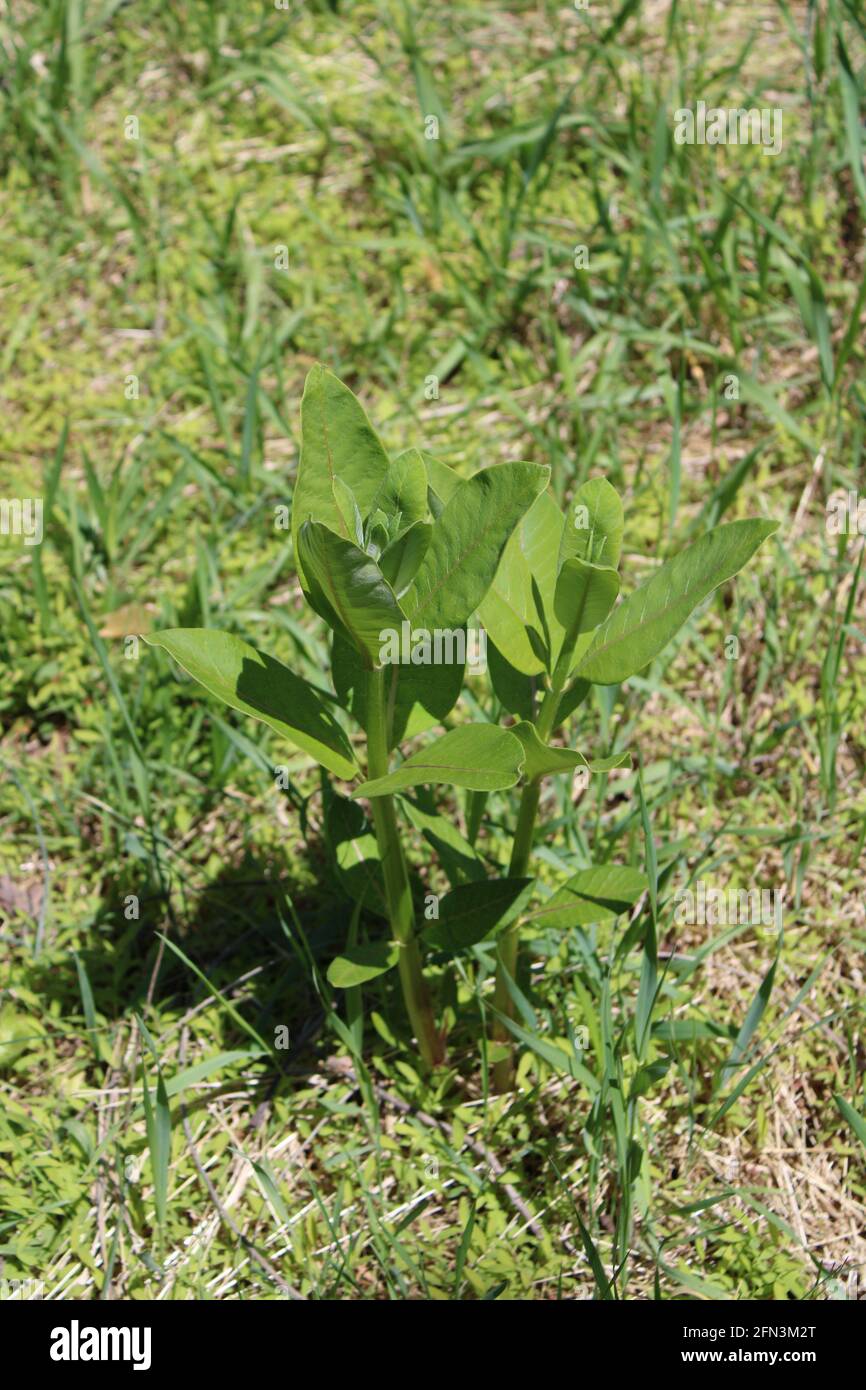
(483, 757)
(510, 608)
(347, 588)
(592, 895)
(468, 540)
(337, 441)
(420, 697)
(417, 696)
(358, 964)
(541, 759)
(469, 913)
(540, 643)
(643, 624)
(585, 594)
(349, 677)
(571, 697)
(349, 511)
(400, 561)
(460, 861)
(514, 690)
(356, 863)
(441, 480)
(593, 525)
(248, 681)
(403, 490)
(376, 534)
(359, 869)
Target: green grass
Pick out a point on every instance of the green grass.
(151, 1147)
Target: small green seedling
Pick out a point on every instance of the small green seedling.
(398, 556)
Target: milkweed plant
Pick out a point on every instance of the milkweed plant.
(399, 556)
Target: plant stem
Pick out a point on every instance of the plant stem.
(509, 939)
(475, 803)
(521, 853)
(398, 893)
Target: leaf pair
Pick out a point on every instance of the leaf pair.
(530, 604)
(552, 605)
(484, 757)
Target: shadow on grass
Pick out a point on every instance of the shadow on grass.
(255, 937)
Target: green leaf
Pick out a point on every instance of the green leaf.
(16, 1035)
(571, 697)
(857, 1122)
(481, 756)
(87, 1004)
(592, 895)
(514, 690)
(509, 609)
(347, 588)
(157, 1120)
(851, 103)
(648, 1077)
(585, 594)
(337, 441)
(648, 987)
(459, 860)
(418, 696)
(403, 490)
(565, 1063)
(468, 540)
(641, 626)
(442, 481)
(271, 1190)
(158, 1129)
(349, 511)
(191, 1076)
(248, 681)
(400, 561)
(750, 1023)
(540, 759)
(358, 964)
(470, 912)
(594, 526)
(356, 862)
(359, 869)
